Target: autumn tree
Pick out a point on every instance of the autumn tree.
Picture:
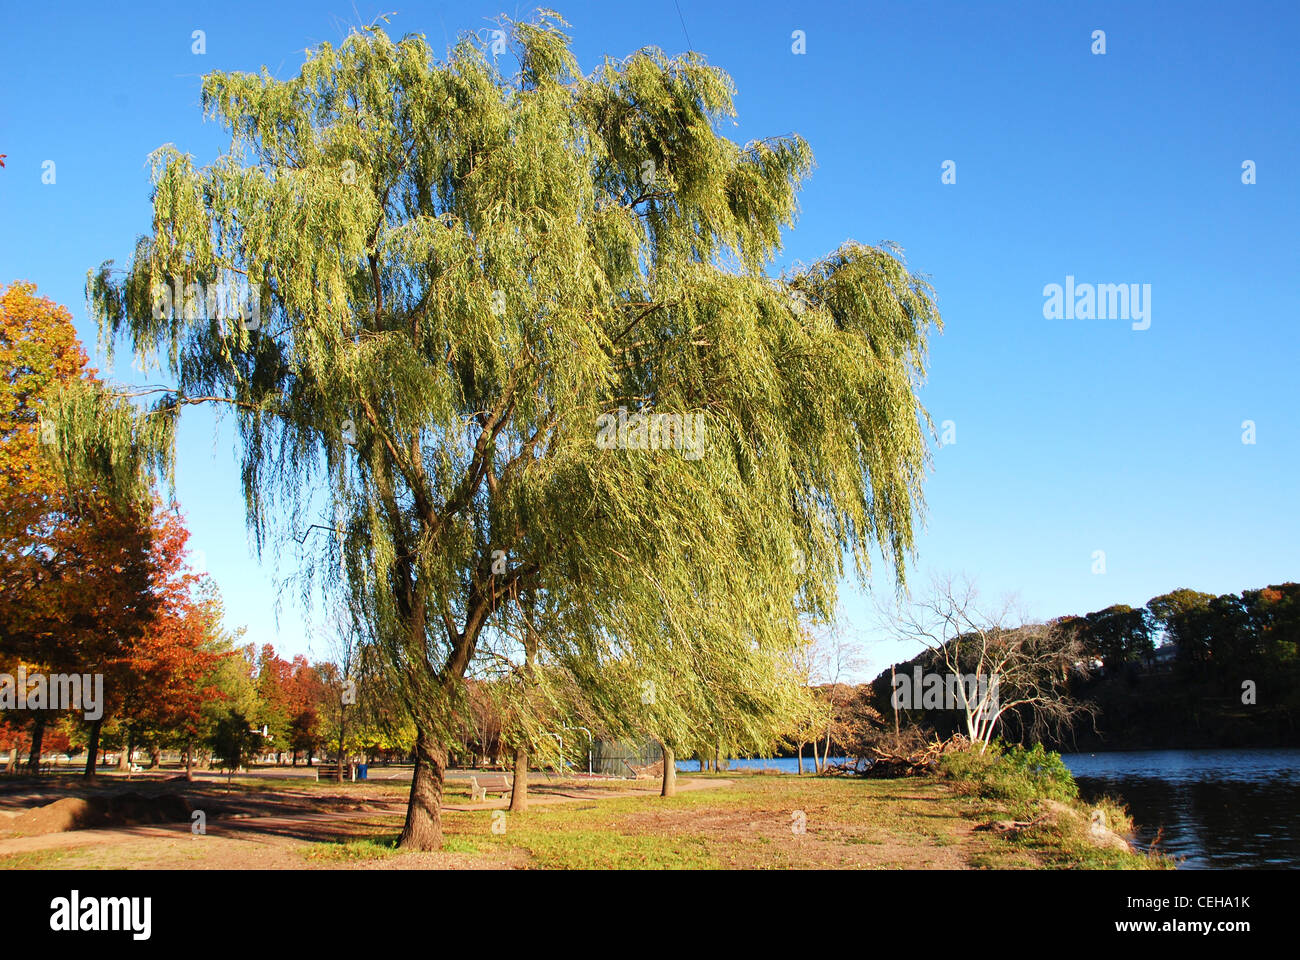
(514, 326)
(76, 570)
(161, 680)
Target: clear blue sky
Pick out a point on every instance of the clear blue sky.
(1072, 435)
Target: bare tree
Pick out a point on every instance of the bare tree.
(829, 659)
(998, 664)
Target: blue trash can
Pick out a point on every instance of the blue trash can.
(361, 770)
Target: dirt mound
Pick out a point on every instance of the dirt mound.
(78, 813)
(69, 813)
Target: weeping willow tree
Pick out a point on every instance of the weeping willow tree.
(506, 330)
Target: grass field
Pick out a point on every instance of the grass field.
(716, 821)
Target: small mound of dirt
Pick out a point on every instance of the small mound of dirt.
(69, 813)
(78, 813)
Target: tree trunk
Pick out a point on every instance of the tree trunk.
(801, 759)
(155, 758)
(894, 701)
(423, 829)
(92, 748)
(519, 789)
(38, 737)
(124, 758)
(343, 713)
(189, 762)
(670, 774)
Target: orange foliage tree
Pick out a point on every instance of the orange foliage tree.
(85, 586)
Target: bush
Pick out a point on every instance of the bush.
(1010, 773)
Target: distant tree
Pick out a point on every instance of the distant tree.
(159, 681)
(275, 697)
(1182, 615)
(1274, 615)
(236, 742)
(1119, 634)
(835, 658)
(1024, 666)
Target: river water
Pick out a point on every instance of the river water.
(1213, 809)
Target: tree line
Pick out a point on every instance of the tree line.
(1187, 669)
(89, 587)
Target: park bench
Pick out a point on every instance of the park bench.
(483, 784)
(330, 772)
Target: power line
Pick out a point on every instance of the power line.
(689, 46)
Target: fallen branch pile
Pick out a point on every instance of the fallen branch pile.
(908, 762)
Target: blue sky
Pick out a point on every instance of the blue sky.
(1073, 436)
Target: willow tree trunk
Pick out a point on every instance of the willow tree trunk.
(38, 737)
(670, 774)
(92, 748)
(519, 788)
(801, 758)
(423, 829)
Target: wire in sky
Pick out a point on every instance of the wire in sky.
(689, 45)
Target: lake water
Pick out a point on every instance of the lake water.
(1212, 809)
(1216, 809)
(784, 764)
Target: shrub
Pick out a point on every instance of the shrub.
(1010, 773)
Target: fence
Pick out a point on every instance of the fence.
(618, 758)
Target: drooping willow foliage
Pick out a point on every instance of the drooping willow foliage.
(445, 272)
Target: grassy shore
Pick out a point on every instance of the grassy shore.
(716, 821)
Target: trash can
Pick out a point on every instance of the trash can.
(361, 770)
